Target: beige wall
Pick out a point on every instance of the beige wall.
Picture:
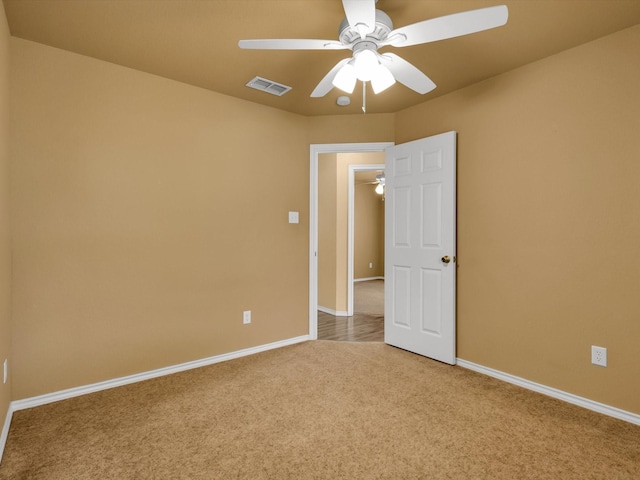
(342, 220)
(5, 252)
(351, 128)
(327, 184)
(549, 217)
(368, 232)
(342, 217)
(143, 224)
(148, 214)
(333, 226)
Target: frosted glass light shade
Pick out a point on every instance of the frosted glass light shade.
(346, 78)
(366, 65)
(382, 79)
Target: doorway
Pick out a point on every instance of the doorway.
(367, 224)
(367, 322)
(363, 210)
(315, 154)
(420, 246)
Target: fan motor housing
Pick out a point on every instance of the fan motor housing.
(349, 36)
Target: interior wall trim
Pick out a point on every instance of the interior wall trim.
(5, 430)
(553, 392)
(140, 377)
(315, 150)
(335, 313)
(366, 279)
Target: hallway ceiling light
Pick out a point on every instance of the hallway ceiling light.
(380, 187)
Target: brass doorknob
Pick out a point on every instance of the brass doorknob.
(446, 259)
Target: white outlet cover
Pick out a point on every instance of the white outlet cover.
(294, 217)
(599, 356)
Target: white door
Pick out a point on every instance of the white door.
(420, 247)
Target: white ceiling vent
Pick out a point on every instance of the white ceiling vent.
(268, 86)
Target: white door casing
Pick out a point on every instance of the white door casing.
(314, 152)
(420, 236)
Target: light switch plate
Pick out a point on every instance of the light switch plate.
(293, 217)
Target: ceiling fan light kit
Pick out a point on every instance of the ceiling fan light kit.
(365, 30)
(346, 78)
(382, 79)
(365, 63)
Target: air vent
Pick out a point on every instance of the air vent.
(268, 86)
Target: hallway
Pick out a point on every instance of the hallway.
(367, 322)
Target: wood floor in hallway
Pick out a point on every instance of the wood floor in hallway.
(367, 322)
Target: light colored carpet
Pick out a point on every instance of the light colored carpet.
(320, 410)
(368, 297)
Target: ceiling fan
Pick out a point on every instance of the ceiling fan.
(379, 183)
(366, 29)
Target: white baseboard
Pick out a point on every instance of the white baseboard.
(95, 387)
(553, 392)
(333, 312)
(5, 430)
(139, 377)
(366, 279)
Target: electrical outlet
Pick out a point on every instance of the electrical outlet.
(6, 371)
(246, 317)
(370, 265)
(599, 356)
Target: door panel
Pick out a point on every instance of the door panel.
(432, 211)
(431, 290)
(400, 286)
(420, 214)
(401, 223)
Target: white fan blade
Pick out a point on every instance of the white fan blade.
(406, 73)
(291, 44)
(449, 26)
(361, 15)
(326, 84)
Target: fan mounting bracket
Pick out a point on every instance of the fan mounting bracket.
(364, 45)
(350, 36)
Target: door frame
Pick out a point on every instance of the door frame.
(314, 152)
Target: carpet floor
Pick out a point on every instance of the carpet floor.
(368, 297)
(320, 410)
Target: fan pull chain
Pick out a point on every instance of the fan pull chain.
(364, 97)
